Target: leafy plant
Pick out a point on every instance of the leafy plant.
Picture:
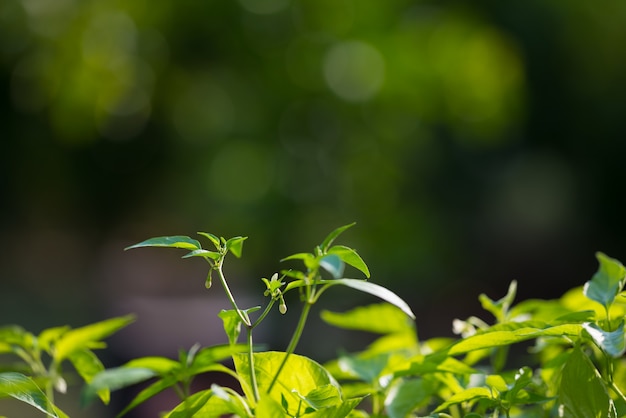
(574, 366)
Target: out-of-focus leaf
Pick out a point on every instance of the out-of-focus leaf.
(582, 393)
(80, 338)
(88, 365)
(235, 245)
(213, 255)
(380, 318)
(160, 365)
(407, 394)
(499, 309)
(25, 389)
(176, 241)
(612, 342)
(113, 379)
(215, 240)
(333, 264)
(367, 368)
(465, 396)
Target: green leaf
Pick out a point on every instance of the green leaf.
(322, 397)
(612, 343)
(215, 240)
(80, 338)
(234, 402)
(48, 337)
(149, 392)
(209, 356)
(309, 376)
(176, 241)
(407, 394)
(607, 282)
(351, 257)
(267, 407)
(160, 365)
(582, 393)
(235, 245)
(376, 290)
(499, 309)
(466, 395)
(437, 363)
(25, 389)
(502, 338)
(201, 404)
(380, 318)
(366, 368)
(333, 235)
(232, 324)
(88, 366)
(115, 378)
(203, 253)
(333, 264)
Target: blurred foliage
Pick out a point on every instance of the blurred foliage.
(487, 139)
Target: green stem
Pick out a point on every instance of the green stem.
(264, 314)
(617, 391)
(294, 341)
(229, 294)
(255, 387)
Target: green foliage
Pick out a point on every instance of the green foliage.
(574, 366)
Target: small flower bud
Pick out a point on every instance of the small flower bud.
(282, 308)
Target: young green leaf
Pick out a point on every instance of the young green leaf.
(215, 240)
(88, 365)
(177, 241)
(25, 389)
(115, 378)
(611, 342)
(466, 395)
(267, 407)
(235, 245)
(80, 338)
(351, 257)
(407, 394)
(325, 245)
(322, 397)
(607, 282)
(499, 308)
(380, 318)
(582, 393)
(213, 255)
(332, 264)
(232, 324)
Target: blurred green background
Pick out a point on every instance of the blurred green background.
(473, 145)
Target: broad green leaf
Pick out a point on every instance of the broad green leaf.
(234, 401)
(322, 397)
(612, 342)
(115, 378)
(160, 365)
(351, 257)
(177, 241)
(215, 240)
(376, 290)
(582, 393)
(235, 245)
(80, 338)
(380, 318)
(332, 263)
(213, 255)
(25, 389)
(466, 395)
(308, 377)
(407, 394)
(267, 407)
(325, 245)
(88, 366)
(367, 368)
(501, 338)
(607, 282)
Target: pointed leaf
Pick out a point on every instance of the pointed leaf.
(351, 257)
(333, 264)
(376, 290)
(215, 240)
(48, 337)
(88, 366)
(612, 343)
(160, 365)
(235, 245)
(380, 318)
(466, 395)
(333, 235)
(582, 393)
(113, 379)
(177, 241)
(25, 389)
(407, 394)
(321, 397)
(80, 338)
(607, 282)
(213, 255)
(232, 324)
(149, 392)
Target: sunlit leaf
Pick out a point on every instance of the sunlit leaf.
(582, 393)
(612, 342)
(160, 365)
(466, 395)
(215, 240)
(380, 318)
(234, 401)
(149, 392)
(407, 394)
(376, 290)
(607, 282)
(177, 241)
(23, 388)
(267, 407)
(500, 308)
(49, 336)
(333, 235)
(366, 368)
(80, 338)
(333, 264)
(321, 397)
(203, 253)
(351, 257)
(88, 366)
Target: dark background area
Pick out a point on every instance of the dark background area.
(473, 145)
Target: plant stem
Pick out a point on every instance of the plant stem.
(255, 388)
(229, 294)
(294, 341)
